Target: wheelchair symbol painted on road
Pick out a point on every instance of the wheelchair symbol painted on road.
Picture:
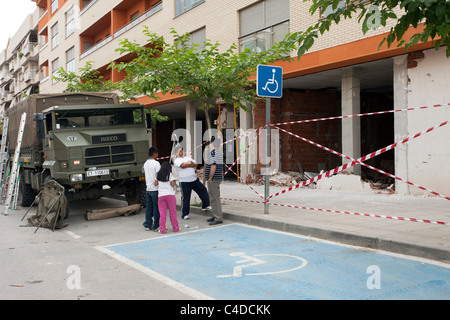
(251, 261)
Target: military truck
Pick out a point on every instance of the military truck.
(87, 142)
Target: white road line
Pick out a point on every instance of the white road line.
(174, 284)
(73, 235)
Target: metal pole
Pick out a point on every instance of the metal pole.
(267, 170)
(236, 142)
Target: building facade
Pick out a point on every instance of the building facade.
(19, 69)
(344, 73)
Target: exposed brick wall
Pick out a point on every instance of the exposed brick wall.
(302, 105)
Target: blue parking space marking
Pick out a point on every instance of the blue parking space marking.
(242, 262)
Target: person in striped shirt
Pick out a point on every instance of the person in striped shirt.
(214, 176)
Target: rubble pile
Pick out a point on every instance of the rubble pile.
(342, 181)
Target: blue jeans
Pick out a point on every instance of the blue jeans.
(186, 190)
(151, 210)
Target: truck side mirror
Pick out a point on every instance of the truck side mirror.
(148, 120)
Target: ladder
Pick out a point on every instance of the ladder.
(13, 183)
(4, 152)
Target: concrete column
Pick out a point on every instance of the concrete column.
(401, 122)
(245, 124)
(351, 127)
(190, 125)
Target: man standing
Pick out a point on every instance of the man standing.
(214, 176)
(151, 168)
(187, 176)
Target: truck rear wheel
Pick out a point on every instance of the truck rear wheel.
(137, 193)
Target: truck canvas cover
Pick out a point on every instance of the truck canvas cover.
(39, 102)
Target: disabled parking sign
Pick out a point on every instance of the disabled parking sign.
(269, 81)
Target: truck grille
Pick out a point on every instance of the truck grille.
(109, 155)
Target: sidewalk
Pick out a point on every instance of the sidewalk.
(422, 239)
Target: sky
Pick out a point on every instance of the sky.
(12, 15)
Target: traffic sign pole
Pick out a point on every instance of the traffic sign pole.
(266, 178)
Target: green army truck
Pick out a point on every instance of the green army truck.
(87, 142)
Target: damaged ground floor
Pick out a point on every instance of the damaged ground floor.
(355, 109)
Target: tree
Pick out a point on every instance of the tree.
(90, 80)
(433, 14)
(203, 73)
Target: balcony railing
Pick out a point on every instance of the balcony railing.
(90, 4)
(96, 47)
(156, 8)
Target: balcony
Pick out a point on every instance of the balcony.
(156, 8)
(95, 47)
(86, 5)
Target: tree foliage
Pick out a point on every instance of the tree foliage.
(203, 73)
(433, 15)
(89, 79)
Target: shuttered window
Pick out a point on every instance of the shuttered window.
(263, 24)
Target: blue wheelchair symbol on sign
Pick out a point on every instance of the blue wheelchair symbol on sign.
(269, 81)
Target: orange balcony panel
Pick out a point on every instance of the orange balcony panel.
(44, 31)
(127, 10)
(42, 4)
(44, 21)
(99, 29)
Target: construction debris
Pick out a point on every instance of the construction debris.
(342, 181)
(99, 214)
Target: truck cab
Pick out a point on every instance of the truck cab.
(95, 150)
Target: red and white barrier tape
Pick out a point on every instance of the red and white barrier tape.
(345, 212)
(242, 153)
(228, 141)
(242, 181)
(355, 162)
(361, 114)
(364, 164)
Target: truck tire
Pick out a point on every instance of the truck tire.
(27, 194)
(137, 193)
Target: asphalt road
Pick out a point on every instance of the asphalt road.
(116, 259)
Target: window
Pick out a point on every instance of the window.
(263, 24)
(55, 67)
(55, 40)
(70, 60)
(182, 6)
(54, 6)
(70, 22)
(198, 37)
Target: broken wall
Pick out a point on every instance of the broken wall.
(428, 157)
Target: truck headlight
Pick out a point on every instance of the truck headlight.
(76, 177)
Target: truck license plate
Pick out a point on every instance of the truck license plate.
(94, 173)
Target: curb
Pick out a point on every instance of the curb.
(340, 237)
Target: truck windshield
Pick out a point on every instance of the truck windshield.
(94, 118)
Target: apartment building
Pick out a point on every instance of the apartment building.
(19, 69)
(343, 74)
